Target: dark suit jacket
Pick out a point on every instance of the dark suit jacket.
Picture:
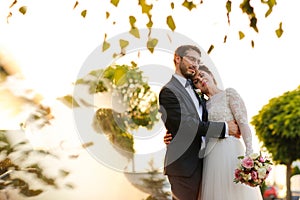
(181, 119)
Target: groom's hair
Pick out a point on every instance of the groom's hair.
(181, 50)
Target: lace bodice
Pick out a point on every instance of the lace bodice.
(228, 105)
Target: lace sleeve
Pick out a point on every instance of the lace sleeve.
(239, 112)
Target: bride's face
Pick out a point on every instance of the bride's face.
(203, 80)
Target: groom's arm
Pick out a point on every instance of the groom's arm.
(177, 117)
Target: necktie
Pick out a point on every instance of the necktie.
(188, 83)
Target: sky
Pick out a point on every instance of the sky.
(52, 42)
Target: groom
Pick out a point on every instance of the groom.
(185, 117)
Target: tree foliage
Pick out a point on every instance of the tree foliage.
(277, 126)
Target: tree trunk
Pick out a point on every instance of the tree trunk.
(288, 181)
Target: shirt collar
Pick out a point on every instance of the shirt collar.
(181, 79)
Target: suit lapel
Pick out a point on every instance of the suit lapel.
(182, 90)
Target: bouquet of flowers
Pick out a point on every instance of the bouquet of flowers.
(252, 170)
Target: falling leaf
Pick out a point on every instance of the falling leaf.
(150, 23)
(69, 101)
(105, 46)
(252, 43)
(241, 34)
(225, 39)
(146, 8)
(189, 5)
(107, 15)
(172, 5)
(279, 31)
(115, 2)
(8, 16)
(151, 44)
(15, 1)
(64, 173)
(132, 21)
(271, 4)
(75, 5)
(83, 13)
(123, 43)
(87, 144)
(210, 49)
(23, 10)
(135, 32)
(171, 23)
(249, 10)
(228, 8)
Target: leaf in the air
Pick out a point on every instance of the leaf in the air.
(87, 144)
(279, 31)
(172, 5)
(69, 185)
(253, 22)
(64, 173)
(107, 15)
(23, 10)
(241, 35)
(151, 44)
(228, 8)
(8, 16)
(146, 8)
(249, 10)
(75, 5)
(115, 2)
(123, 43)
(189, 4)
(252, 43)
(13, 3)
(135, 32)
(271, 4)
(69, 101)
(83, 13)
(105, 44)
(171, 23)
(225, 39)
(210, 49)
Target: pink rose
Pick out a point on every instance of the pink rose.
(261, 159)
(254, 175)
(247, 163)
(237, 173)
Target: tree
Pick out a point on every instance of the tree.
(277, 126)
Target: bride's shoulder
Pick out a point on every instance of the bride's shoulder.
(231, 91)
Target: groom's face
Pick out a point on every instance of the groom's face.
(189, 63)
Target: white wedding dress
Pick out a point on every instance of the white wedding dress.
(220, 159)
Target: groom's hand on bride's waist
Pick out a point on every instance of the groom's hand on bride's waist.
(233, 129)
(167, 138)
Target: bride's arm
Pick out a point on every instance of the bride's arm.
(239, 112)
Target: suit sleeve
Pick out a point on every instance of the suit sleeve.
(178, 118)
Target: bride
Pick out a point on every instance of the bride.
(224, 105)
(221, 155)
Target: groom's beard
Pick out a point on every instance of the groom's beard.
(183, 69)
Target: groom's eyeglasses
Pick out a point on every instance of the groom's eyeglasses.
(192, 59)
